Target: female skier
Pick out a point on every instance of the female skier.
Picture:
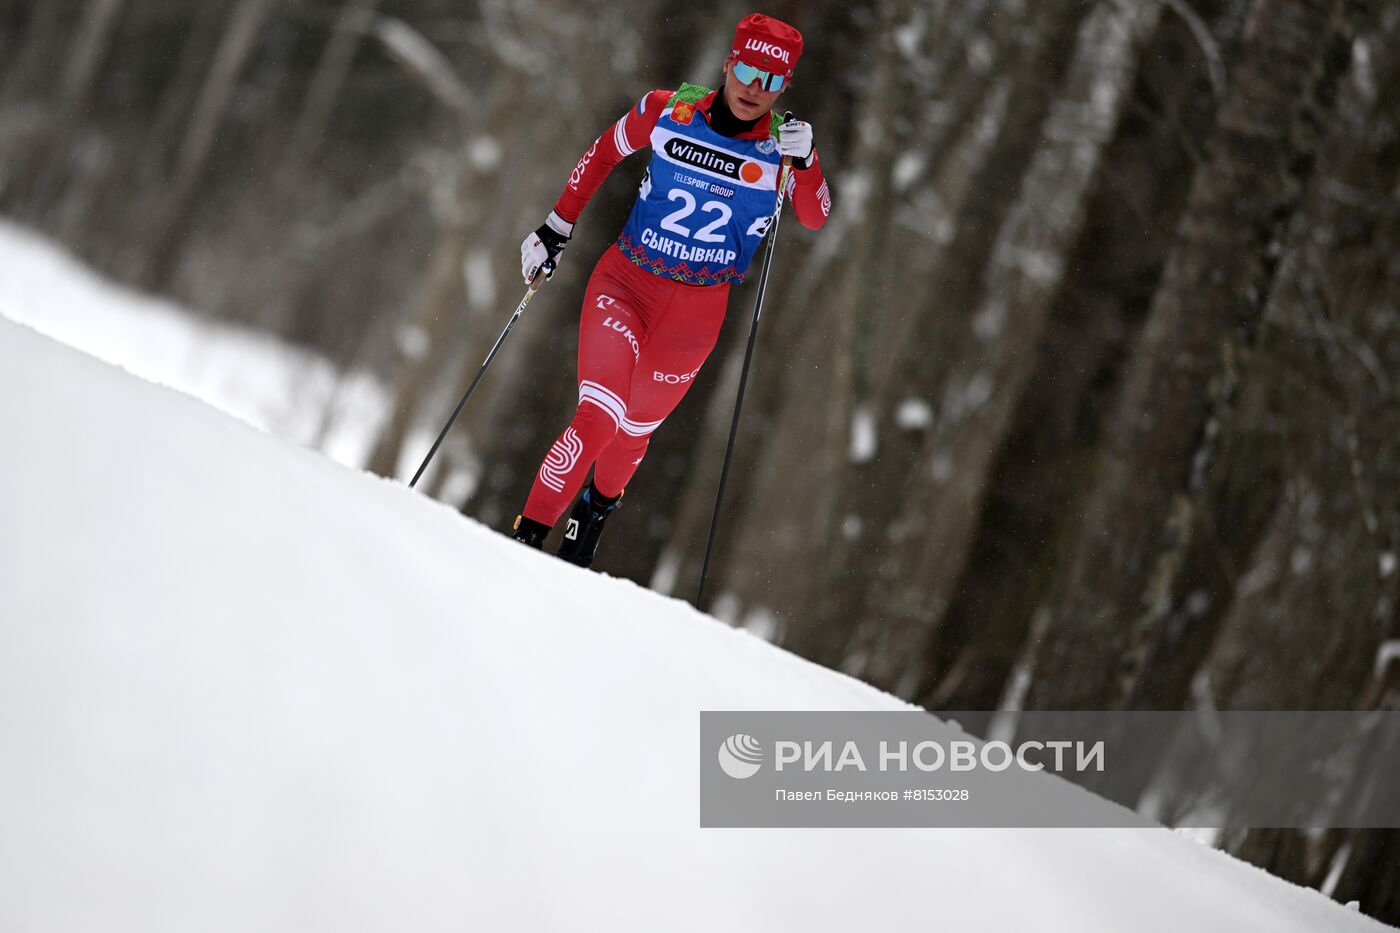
(655, 301)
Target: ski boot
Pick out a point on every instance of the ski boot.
(585, 526)
(530, 532)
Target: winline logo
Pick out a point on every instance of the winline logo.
(712, 160)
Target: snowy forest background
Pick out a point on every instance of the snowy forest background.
(1085, 397)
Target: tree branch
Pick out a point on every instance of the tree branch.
(421, 59)
(1210, 50)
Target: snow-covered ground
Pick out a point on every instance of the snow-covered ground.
(255, 378)
(244, 688)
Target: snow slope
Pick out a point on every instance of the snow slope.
(254, 377)
(243, 688)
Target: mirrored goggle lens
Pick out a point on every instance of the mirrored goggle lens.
(747, 74)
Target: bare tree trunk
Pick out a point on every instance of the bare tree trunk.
(153, 156)
(9, 33)
(1369, 874)
(441, 318)
(180, 91)
(29, 64)
(331, 72)
(89, 49)
(440, 308)
(1121, 576)
(1316, 602)
(1114, 271)
(967, 200)
(52, 175)
(240, 38)
(28, 120)
(944, 495)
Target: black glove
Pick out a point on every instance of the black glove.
(544, 246)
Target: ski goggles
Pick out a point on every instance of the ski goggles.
(748, 74)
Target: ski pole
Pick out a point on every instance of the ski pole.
(540, 278)
(744, 374)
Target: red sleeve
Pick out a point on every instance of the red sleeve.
(626, 136)
(810, 194)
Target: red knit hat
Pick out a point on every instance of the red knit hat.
(767, 43)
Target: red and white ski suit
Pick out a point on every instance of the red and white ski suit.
(643, 336)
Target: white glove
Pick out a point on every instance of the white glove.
(544, 245)
(795, 139)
